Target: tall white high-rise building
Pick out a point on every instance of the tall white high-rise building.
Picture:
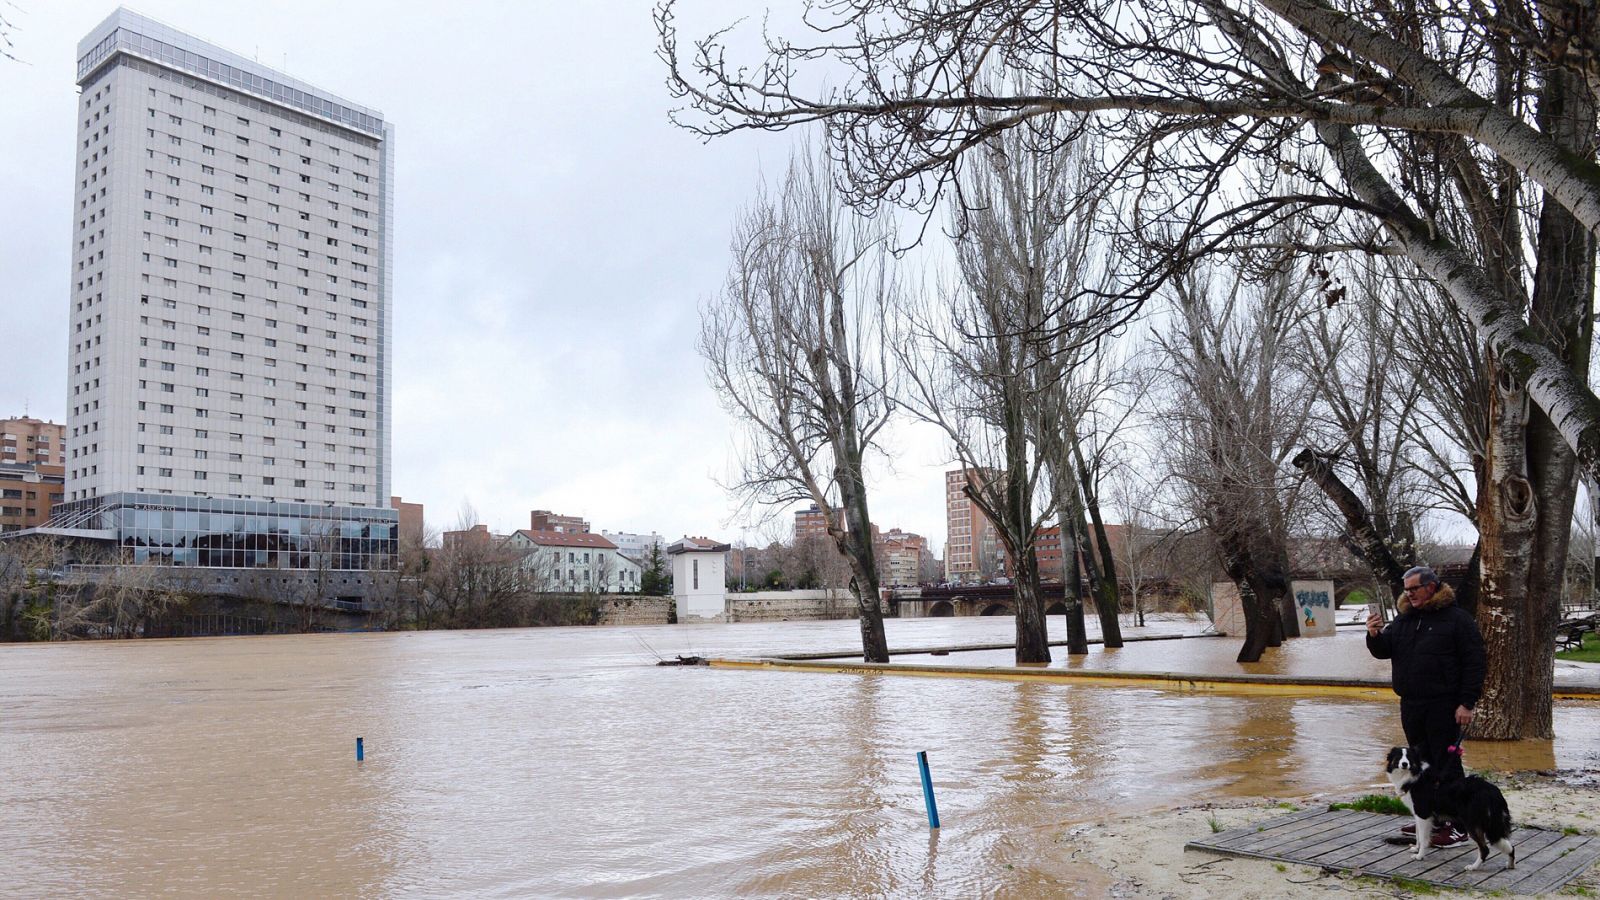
(231, 266)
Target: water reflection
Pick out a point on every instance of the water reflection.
(560, 762)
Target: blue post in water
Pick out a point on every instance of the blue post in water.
(927, 789)
(361, 752)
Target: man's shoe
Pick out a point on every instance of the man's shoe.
(1410, 828)
(1448, 837)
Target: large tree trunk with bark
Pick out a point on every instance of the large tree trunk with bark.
(1033, 644)
(1108, 595)
(1072, 590)
(856, 545)
(1532, 471)
(1105, 595)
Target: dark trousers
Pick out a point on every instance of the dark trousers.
(1432, 726)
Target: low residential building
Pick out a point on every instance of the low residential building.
(545, 520)
(698, 572)
(28, 440)
(27, 493)
(575, 562)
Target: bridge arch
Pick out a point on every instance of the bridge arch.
(997, 609)
(1057, 609)
(942, 609)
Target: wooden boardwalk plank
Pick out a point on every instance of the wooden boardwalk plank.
(1286, 830)
(1354, 841)
(1352, 831)
(1366, 847)
(1563, 859)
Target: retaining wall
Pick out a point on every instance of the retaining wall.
(630, 609)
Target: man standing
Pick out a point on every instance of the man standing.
(1437, 669)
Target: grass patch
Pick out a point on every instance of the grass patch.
(1287, 805)
(1415, 886)
(1589, 652)
(1215, 824)
(1375, 803)
(1569, 830)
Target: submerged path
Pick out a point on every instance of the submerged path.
(1283, 685)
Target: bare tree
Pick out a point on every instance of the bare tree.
(980, 364)
(1236, 414)
(792, 347)
(31, 578)
(1133, 498)
(1369, 399)
(474, 582)
(1459, 135)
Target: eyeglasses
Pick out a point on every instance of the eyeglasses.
(1413, 590)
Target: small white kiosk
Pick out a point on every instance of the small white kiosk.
(698, 578)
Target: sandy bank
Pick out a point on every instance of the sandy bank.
(1143, 856)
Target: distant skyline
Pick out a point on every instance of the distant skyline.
(555, 236)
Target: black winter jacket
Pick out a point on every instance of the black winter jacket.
(1437, 652)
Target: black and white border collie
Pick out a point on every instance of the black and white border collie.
(1475, 806)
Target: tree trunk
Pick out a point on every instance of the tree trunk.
(1105, 596)
(1108, 594)
(1261, 623)
(1532, 470)
(1507, 516)
(1364, 539)
(1072, 589)
(856, 545)
(1033, 644)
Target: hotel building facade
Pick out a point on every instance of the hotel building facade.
(229, 365)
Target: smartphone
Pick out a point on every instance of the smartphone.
(1375, 609)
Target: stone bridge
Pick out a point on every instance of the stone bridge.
(975, 600)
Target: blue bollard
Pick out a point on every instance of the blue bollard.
(927, 790)
(361, 752)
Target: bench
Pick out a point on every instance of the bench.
(1569, 634)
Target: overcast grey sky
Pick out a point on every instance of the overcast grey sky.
(554, 238)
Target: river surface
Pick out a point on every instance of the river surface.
(563, 762)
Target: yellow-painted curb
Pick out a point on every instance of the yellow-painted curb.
(1167, 681)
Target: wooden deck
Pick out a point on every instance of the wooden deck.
(1352, 841)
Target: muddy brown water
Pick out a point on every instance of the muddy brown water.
(562, 762)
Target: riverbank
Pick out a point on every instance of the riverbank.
(1143, 856)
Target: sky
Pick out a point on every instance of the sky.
(555, 236)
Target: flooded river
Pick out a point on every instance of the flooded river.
(562, 762)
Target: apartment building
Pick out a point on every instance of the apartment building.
(972, 551)
(901, 558)
(28, 491)
(29, 440)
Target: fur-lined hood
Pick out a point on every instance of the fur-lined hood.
(1443, 597)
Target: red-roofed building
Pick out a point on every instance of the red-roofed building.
(575, 561)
